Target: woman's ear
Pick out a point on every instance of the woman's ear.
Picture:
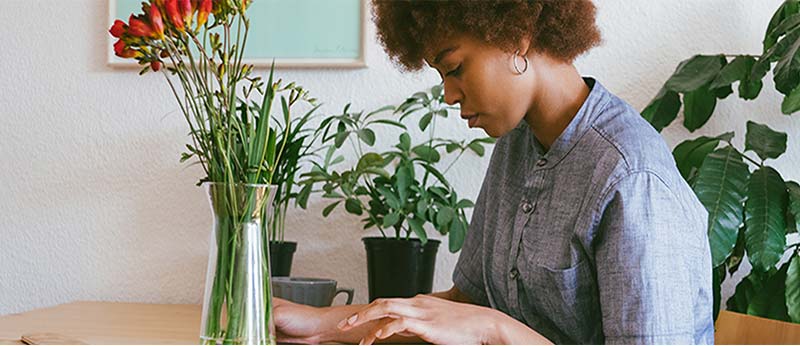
(524, 46)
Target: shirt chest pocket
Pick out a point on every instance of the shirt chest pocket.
(567, 298)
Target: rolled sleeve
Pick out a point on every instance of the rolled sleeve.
(647, 268)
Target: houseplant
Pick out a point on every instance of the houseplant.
(750, 212)
(199, 44)
(399, 203)
(299, 138)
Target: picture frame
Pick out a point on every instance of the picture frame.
(295, 33)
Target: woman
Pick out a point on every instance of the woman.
(583, 231)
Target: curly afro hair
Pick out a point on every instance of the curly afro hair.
(410, 29)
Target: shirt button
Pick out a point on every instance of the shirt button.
(526, 207)
(514, 274)
(541, 162)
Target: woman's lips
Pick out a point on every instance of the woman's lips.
(472, 119)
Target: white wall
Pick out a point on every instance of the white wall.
(95, 206)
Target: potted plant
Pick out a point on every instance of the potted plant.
(752, 209)
(398, 191)
(297, 138)
(198, 45)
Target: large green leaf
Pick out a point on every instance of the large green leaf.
(786, 73)
(765, 221)
(735, 259)
(784, 12)
(416, 225)
(718, 275)
(721, 185)
(791, 102)
(794, 205)
(663, 109)
(764, 141)
(694, 73)
(691, 153)
(740, 299)
(738, 69)
(793, 289)
(456, 235)
(698, 105)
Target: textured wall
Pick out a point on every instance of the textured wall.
(95, 205)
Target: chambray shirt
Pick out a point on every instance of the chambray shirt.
(598, 240)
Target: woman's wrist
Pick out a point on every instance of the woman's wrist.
(505, 330)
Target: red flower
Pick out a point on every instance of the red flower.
(118, 29)
(173, 14)
(122, 51)
(156, 20)
(139, 28)
(245, 3)
(155, 65)
(202, 15)
(186, 10)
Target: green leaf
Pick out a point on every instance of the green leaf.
(791, 102)
(794, 203)
(302, 197)
(445, 215)
(416, 227)
(722, 92)
(739, 301)
(427, 153)
(327, 211)
(425, 121)
(777, 24)
(765, 223)
(436, 91)
(340, 138)
(737, 70)
(694, 73)
(663, 109)
(390, 122)
(793, 289)
(698, 107)
(477, 148)
(451, 147)
(367, 135)
(464, 203)
(405, 142)
(369, 160)
(422, 207)
(353, 206)
(691, 153)
(391, 199)
(721, 185)
(391, 219)
(786, 73)
(770, 300)
(455, 237)
(764, 141)
(750, 89)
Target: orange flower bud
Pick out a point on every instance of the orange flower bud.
(122, 51)
(155, 65)
(118, 28)
(186, 11)
(173, 14)
(139, 28)
(202, 14)
(156, 21)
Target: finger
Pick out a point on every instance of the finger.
(400, 326)
(381, 308)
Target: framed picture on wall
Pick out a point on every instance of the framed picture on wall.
(296, 33)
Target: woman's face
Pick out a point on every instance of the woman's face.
(483, 80)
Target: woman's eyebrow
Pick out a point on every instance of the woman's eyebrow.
(443, 53)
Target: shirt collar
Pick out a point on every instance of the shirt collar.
(580, 123)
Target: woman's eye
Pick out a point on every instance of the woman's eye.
(454, 72)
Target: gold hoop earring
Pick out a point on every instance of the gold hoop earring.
(515, 63)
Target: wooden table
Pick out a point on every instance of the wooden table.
(131, 323)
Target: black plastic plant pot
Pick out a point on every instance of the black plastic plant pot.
(280, 257)
(399, 268)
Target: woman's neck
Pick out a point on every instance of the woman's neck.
(560, 93)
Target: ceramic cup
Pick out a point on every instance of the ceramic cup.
(309, 291)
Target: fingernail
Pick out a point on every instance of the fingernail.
(378, 333)
(341, 324)
(352, 319)
(361, 342)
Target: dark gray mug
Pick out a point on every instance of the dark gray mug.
(309, 291)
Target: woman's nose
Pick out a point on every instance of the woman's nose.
(452, 94)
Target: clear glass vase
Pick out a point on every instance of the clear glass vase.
(237, 308)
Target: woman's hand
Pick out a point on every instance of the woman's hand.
(296, 323)
(435, 320)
